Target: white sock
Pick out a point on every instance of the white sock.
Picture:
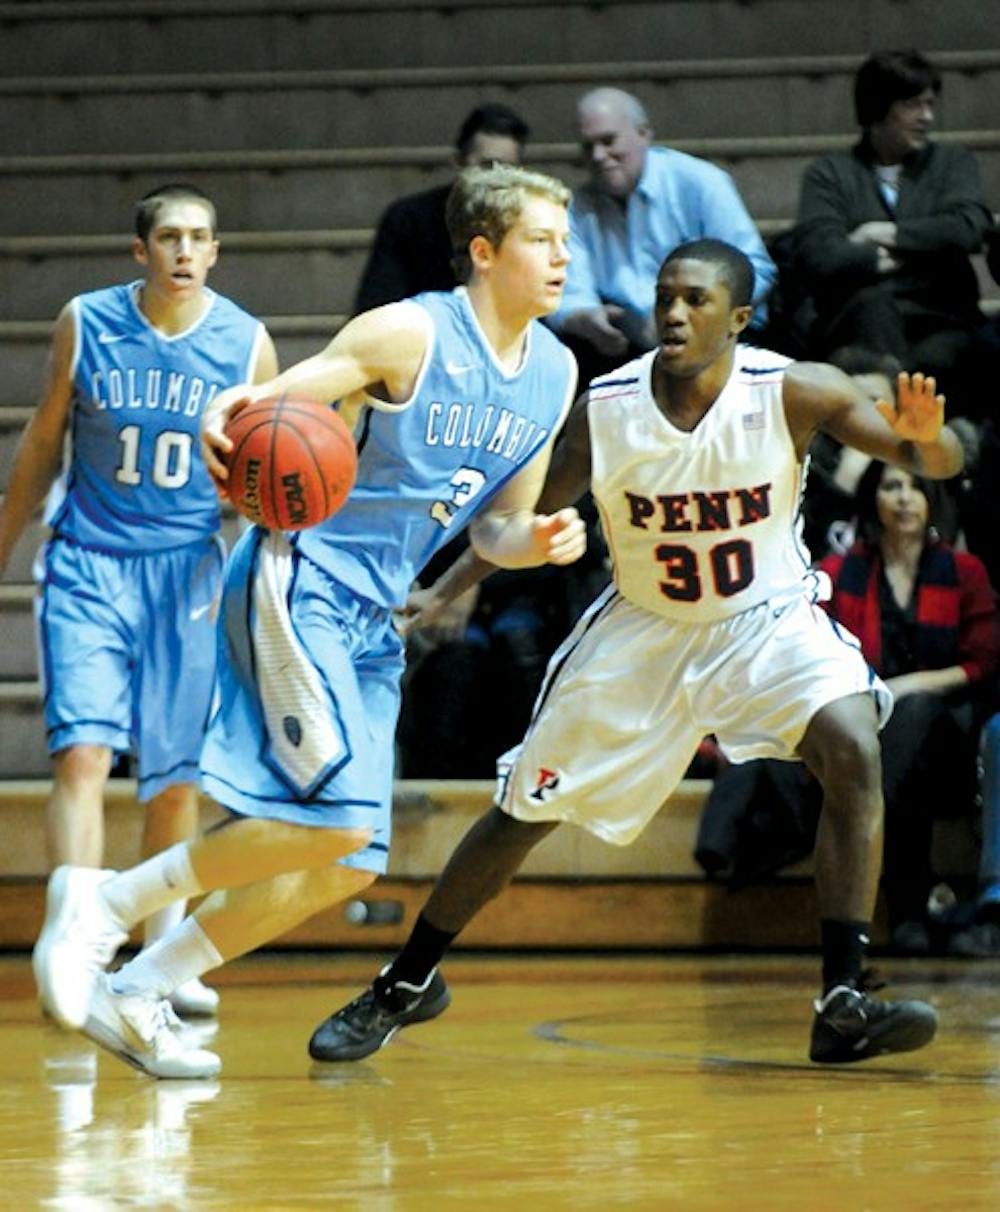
(142, 890)
(163, 921)
(172, 961)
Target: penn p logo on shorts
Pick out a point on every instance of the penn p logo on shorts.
(548, 780)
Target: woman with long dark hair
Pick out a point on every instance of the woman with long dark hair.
(925, 614)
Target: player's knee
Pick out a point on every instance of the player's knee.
(338, 843)
(82, 766)
(517, 835)
(856, 756)
(178, 797)
(852, 760)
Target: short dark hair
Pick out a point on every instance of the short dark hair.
(493, 118)
(148, 206)
(866, 510)
(736, 268)
(889, 76)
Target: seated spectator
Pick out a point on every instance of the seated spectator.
(640, 203)
(981, 479)
(412, 251)
(926, 618)
(885, 231)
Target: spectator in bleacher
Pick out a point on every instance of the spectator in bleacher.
(926, 618)
(640, 203)
(132, 573)
(981, 482)
(885, 230)
(412, 251)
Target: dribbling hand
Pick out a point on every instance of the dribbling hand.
(214, 443)
(918, 413)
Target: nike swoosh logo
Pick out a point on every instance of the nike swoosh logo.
(199, 611)
(454, 369)
(109, 338)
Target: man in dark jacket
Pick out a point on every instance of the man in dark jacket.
(412, 251)
(885, 230)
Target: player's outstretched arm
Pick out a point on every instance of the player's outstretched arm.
(908, 431)
(39, 453)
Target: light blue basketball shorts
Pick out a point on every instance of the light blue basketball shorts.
(308, 698)
(127, 652)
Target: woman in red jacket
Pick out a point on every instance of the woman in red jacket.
(926, 617)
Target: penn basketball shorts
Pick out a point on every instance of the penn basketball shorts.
(629, 696)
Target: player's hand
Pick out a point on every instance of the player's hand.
(439, 618)
(560, 538)
(215, 446)
(918, 413)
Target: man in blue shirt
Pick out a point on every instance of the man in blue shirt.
(641, 202)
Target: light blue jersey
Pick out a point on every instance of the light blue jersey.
(311, 662)
(136, 479)
(131, 577)
(427, 466)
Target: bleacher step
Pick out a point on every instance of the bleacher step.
(573, 892)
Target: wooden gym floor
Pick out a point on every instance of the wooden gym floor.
(553, 1082)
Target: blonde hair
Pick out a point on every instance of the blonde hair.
(489, 201)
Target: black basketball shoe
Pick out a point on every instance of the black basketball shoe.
(850, 1026)
(371, 1020)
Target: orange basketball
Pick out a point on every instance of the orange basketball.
(292, 464)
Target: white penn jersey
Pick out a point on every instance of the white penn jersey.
(700, 525)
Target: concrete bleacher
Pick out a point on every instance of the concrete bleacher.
(251, 35)
(229, 110)
(304, 126)
(573, 892)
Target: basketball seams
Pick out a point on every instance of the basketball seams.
(302, 435)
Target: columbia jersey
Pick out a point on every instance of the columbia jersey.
(135, 475)
(700, 525)
(427, 466)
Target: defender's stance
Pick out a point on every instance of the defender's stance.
(467, 393)
(696, 456)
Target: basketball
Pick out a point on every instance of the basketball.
(292, 464)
